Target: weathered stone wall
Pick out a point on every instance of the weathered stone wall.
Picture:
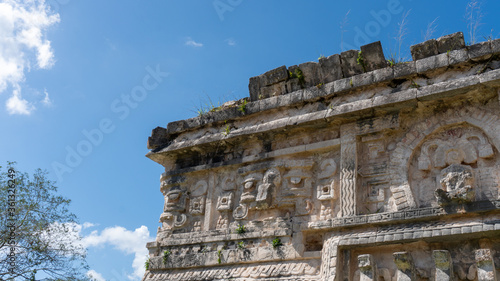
(340, 170)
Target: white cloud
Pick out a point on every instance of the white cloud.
(129, 242)
(17, 105)
(95, 276)
(192, 43)
(22, 27)
(123, 240)
(230, 42)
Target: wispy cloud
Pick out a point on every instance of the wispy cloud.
(230, 42)
(22, 31)
(192, 43)
(87, 225)
(95, 276)
(46, 100)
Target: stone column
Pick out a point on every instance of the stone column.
(444, 265)
(485, 265)
(405, 265)
(367, 268)
(348, 170)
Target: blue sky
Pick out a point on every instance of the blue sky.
(83, 83)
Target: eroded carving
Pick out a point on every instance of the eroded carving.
(240, 212)
(447, 164)
(270, 182)
(175, 199)
(457, 183)
(326, 187)
(250, 188)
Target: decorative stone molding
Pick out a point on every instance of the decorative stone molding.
(340, 171)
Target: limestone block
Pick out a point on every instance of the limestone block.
(177, 126)
(254, 88)
(433, 62)
(382, 75)
(495, 46)
(293, 85)
(405, 266)
(330, 68)
(458, 56)
(267, 79)
(480, 51)
(373, 56)
(485, 265)
(349, 61)
(364, 79)
(444, 265)
(450, 42)
(274, 76)
(404, 69)
(424, 50)
(159, 137)
(311, 72)
(342, 84)
(367, 268)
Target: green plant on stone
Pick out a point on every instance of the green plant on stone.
(276, 242)
(219, 256)
(321, 57)
(361, 61)
(414, 84)
(300, 75)
(241, 245)
(241, 229)
(147, 263)
(350, 82)
(242, 106)
(203, 248)
(166, 254)
(227, 129)
(320, 85)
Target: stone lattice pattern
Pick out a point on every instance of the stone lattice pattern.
(340, 171)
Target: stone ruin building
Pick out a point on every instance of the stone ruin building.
(350, 168)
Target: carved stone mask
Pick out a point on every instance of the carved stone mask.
(175, 199)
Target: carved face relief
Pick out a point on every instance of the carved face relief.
(175, 199)
(297, 182)
(458, 184)
(249, 188)
(450, 163)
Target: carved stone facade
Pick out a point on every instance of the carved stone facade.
(391, 174)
